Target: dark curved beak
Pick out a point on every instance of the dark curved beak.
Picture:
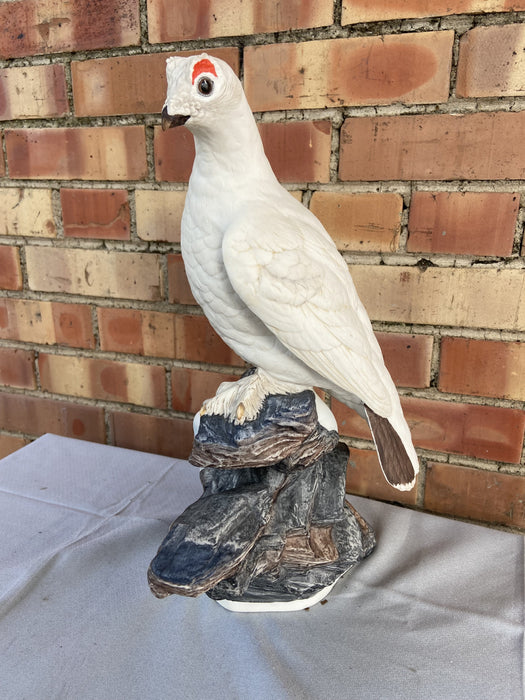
(171, 120)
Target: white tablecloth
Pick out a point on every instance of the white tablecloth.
(435, 612)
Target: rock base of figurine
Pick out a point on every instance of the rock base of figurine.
(272, 529)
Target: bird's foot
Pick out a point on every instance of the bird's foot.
(241, 401)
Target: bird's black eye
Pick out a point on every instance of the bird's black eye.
(205, 86)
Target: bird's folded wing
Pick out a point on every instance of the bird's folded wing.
(289, 273)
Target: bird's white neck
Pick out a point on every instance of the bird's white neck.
(230, 150)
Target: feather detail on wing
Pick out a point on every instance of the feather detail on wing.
(287, 270)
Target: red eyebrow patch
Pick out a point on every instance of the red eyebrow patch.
(202, 66)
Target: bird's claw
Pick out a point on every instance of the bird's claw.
(239, 413)
(242, 400)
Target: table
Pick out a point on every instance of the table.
(435, 612)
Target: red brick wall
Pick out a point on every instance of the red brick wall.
(400, 124)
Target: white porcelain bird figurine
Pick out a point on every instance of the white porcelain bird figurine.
(267, 274)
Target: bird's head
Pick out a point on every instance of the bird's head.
(201, 89)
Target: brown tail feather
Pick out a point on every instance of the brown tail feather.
(393, 457)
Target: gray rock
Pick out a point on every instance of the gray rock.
(272, 523)
(286, 430)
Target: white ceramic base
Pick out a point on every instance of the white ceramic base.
(278, 606)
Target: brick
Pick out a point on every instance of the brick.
(99, 273)
(35, 416)
(10, 444)
(203, 19)
(465, 297)
(107, 380)
(195, 340)
(17, 368)
(412, 68)
(174, 153)
(491, 497)
(73, 325)
(492, 62)
(147, 333)
(83, 153)
(297, 151)
(486, 432)
(483, 368)
(172, 437)
(10, 271)
(365, 478)
(367, 221)
(407, 357)
(129, 84)
(466, 223)
(33, 92)
(47, 323)
(355, 11)
(95, 213)
(27, 212)
(179, 291)
(157, 334)
(54, 26)
(484, 146)
(159, 214)
(190, 387)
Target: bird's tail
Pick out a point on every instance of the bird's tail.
(395, 462)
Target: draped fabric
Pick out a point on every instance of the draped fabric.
(435, 612)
